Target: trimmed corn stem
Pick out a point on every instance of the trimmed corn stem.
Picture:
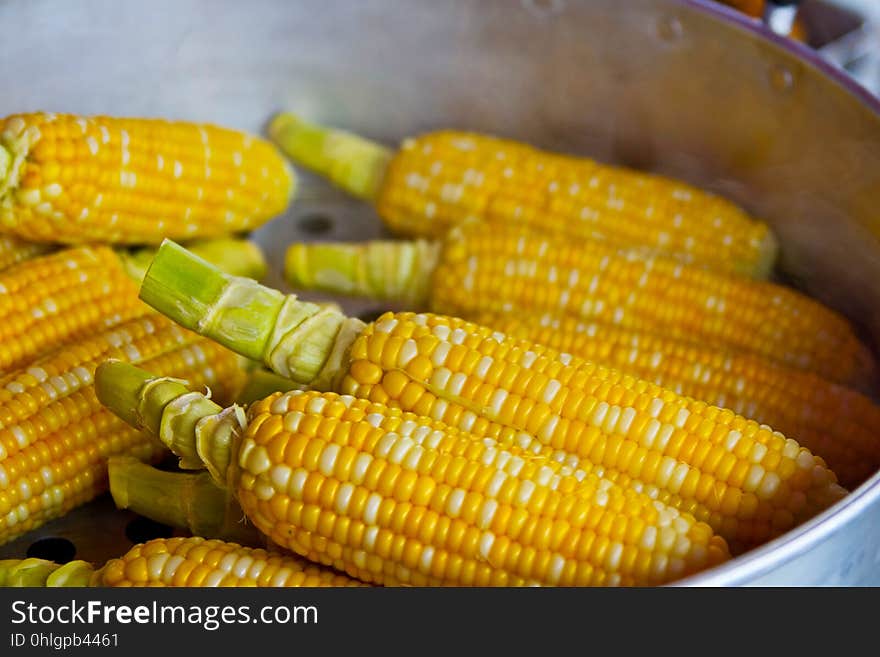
(383, 270)
(307, 345)
(355, 164)
(186, 500)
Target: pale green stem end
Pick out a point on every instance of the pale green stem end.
(72, 574)
(196, 429)
(399, 271)
(41, 573)
(299, 340)
(26, 572)
(355, 164)
(5, 166)
(118, 388)
(186, 500)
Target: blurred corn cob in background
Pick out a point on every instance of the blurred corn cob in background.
(747, 481)
(55, 437)
(439, 179)
(14, 250)
(56, 298)
(59, 297)
(74, 179)
(480, 268)
(831, 420)
(177, 562)
(394, 498)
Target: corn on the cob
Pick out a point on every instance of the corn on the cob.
(439, 179)
(75, 179)
(394, 498)
(749, 482)
(832, 421)
(54, 435)
(177, 562)
(59, 297)
(14, 250)
(479, 267)
(51, 300)
(187, 500)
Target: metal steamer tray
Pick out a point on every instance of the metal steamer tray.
(682, 87)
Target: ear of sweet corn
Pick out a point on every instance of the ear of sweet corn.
(436, 180)
(831, 420)
(749, 482)
(63, 296)
(632, 290)
(395, 498)
(178, 562)
(76, 179)
(483, 268)
(55, 437)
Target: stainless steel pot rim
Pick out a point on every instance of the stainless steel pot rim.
(800, 50)
(764, 559)
(233, 90)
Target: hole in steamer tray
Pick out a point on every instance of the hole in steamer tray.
(59, 550)
(141, 530)
(316, 224)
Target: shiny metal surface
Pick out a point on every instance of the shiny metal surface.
(668, 85)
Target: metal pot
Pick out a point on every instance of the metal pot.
(683, 87)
